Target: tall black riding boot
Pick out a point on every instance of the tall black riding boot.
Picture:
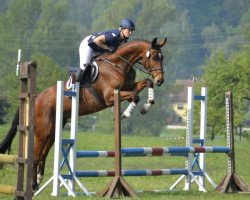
(79, 74)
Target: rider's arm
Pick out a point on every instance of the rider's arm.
(100, 41)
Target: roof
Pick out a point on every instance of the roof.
(181, 94)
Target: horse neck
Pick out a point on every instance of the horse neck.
(131, 52)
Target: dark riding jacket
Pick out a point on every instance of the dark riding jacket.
(111, 40)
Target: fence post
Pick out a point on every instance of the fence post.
(231, 182)
(26, 129)
(118, 186)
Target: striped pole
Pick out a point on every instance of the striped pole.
(149, 151)
(149, 172)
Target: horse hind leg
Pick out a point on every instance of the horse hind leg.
(41, 144)
(37, 152)
(44, 154)
(41, 164)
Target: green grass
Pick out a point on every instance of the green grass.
(216, 168)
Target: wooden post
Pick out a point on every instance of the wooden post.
(26, 130)
(231, 182)
(118, 186)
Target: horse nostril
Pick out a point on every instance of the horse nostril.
(159, 82)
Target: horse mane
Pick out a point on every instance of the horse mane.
(126, 48)
(133, 42)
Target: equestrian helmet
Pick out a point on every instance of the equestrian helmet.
(127, 23)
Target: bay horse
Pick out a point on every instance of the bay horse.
(116, 70)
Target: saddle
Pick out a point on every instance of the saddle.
(88, 77)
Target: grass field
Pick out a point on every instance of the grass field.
(216, 167)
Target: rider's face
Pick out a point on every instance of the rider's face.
(127, 32)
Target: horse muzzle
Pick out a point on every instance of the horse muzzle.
(159, 82)
(158, 76)
(159, 79)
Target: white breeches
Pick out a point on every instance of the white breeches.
(85, 52)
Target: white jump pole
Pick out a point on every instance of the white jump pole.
(18, 61)
(189, 136)
(73, 133)
(57, 177)
(189, 142)
(189, 139)
(58, 138)
(203, 133)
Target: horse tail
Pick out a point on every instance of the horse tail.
(6, 143)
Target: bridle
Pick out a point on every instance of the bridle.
(145, 65)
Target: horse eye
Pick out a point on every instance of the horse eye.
(156, 58)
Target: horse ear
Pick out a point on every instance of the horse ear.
(154, 43)
(162, 42)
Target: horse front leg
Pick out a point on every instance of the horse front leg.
(130, 96)
(139, 86)
(124, 95)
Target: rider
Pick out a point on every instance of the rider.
(101, 42)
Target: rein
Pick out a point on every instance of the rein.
(147, 71)
(134, 66)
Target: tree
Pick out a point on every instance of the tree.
(3, 108)
(53, 35)
(33, 26)
(233, 11)
(221, 75)
(244, 25)
(48, 72)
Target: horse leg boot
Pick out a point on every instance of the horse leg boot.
(151, 100)
(127, 113)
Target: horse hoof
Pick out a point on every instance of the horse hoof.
(19, 198)
(144, 108)
(123, 116)
(143, 111)
(35, 187)
(152, 102)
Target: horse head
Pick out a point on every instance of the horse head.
(152, 61)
